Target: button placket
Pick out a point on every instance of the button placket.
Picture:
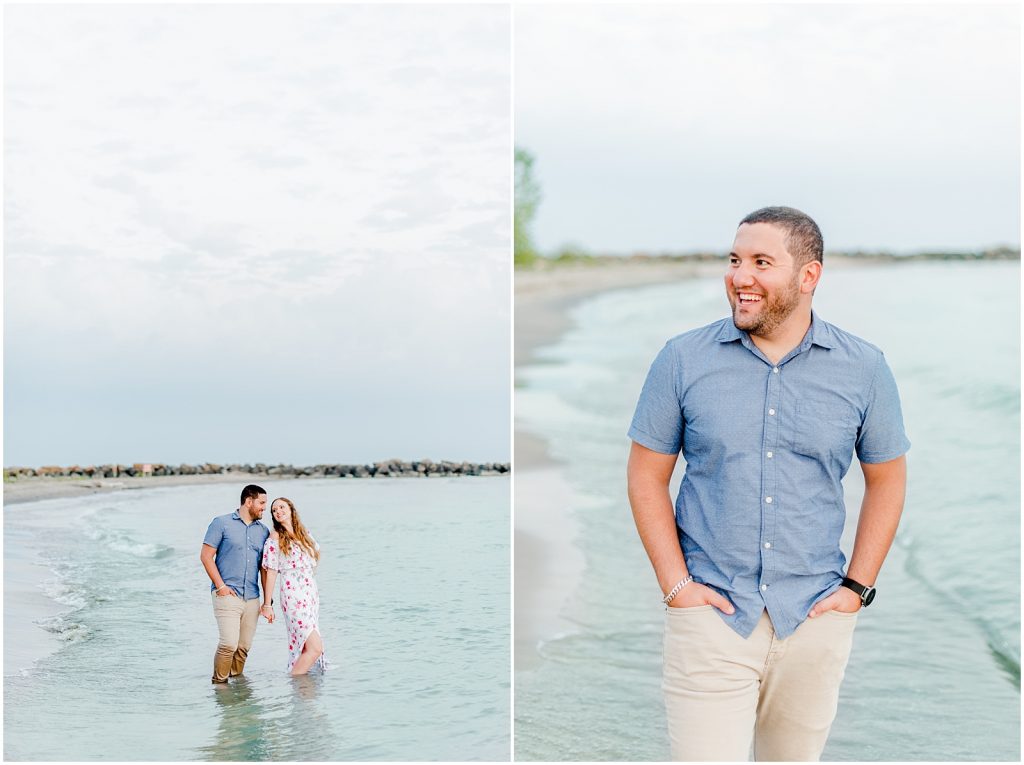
(773, 404)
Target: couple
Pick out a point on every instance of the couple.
(239, 553)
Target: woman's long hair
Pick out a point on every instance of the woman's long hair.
(298, 534)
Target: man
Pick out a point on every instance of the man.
(767, 409)
(231, 555)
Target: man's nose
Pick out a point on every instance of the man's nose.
(742, 276)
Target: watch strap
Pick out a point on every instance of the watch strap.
(866, 593)
(857, 587)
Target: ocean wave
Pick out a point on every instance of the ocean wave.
(65, 629)
(64, 593)
(999, 638)
(122, 542)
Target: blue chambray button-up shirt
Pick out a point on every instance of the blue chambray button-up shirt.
(239, 551)
(760, 508)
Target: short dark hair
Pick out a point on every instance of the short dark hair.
(803, 237)
(252, 490)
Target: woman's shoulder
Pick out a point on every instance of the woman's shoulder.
(273, 535)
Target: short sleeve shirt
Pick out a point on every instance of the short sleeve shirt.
(239, 550)
(760, 508)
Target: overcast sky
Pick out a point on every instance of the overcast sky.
(241, 233)
(658, 127)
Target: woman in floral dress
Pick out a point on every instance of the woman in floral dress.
(291, 554)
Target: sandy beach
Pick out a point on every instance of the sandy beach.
(548, 563)
(33, 489)
(543, 297)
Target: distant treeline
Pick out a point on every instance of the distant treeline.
(572, 255)
(394, 467)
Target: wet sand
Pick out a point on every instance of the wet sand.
(34, 489)
(548, 564)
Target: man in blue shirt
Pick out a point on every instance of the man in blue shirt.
(767, 409)
(231, 555)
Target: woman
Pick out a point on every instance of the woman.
(291, 552)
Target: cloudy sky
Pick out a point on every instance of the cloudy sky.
(256, 233)
(658, 127)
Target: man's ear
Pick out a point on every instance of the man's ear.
(810, 274)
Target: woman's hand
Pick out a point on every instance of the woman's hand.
(267, 611)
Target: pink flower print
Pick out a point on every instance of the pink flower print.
(271, 548)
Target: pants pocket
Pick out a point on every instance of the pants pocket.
(690, 610)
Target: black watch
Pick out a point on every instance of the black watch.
(867, 594)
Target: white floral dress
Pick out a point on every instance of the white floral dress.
(300, 600)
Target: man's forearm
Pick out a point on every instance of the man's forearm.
(885, 487)
(648, 475)
(212, 571)
(656, 524)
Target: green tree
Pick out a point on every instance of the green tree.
(527, 199)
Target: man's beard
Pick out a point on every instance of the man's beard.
(777, 308)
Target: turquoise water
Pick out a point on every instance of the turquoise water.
(414, 614)
(935, 669)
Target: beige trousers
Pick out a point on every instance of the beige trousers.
(236, 622)
(724, 693)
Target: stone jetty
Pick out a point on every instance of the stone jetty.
(394, 468)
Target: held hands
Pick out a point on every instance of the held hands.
(844, 600)
(268, 613)
(695, 594)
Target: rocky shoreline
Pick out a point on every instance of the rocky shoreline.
(388, 468)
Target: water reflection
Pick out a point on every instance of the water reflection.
(240, 733)
(309, 735)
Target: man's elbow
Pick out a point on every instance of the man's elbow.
(886, 473)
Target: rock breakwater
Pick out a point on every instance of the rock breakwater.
(387, 469)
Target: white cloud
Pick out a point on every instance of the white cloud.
(660, 126)
(194, 187)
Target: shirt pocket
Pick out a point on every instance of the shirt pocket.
(824, 426)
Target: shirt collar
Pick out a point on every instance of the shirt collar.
(819, 333)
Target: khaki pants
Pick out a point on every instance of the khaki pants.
(724, 693)
(236, 621)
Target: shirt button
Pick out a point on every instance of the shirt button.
(771, 411)
(768, 500)
(767, 545)
(769, 455)
(775, 370)
(764, 587)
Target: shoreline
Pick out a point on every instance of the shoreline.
(549, 565)
(38, 489)
(544, 296)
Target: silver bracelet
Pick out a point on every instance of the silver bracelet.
(675, 590)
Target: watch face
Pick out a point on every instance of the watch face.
(868, 595)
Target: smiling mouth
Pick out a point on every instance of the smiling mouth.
(749, 298)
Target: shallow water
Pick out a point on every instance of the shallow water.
(414, 615)
(935, 669)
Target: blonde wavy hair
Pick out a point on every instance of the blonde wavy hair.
(298, 535)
